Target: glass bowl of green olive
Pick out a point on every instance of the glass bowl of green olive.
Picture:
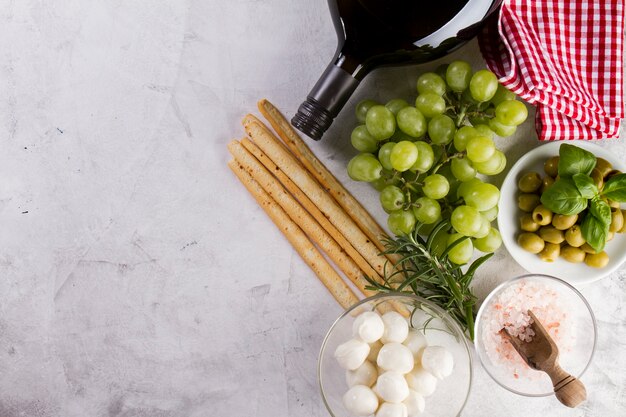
(545, 228)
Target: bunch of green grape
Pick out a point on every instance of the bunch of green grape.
(424, 159)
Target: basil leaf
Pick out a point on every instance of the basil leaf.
(594, 232)
(563, 197)
(585, 185)
(600, 210)
(615, 188)
(574, 160)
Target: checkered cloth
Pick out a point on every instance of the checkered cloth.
(564, 56)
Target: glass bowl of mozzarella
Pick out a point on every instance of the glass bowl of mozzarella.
(395, 355)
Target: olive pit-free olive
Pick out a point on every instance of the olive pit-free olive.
(530, 182)
(531, 242)
(528, 202)
(542, 215)
(603, 166)
(551, 234)
(572, 254)
(611, 174)
(574, 236)
(617, 220)
(597, 178)
(613, 203)
(551, 166)
(588, 249)
(597, 260)
(527, 223)
(546, 182)
(550, 252)
(610, 236)
(563, 222)
(623, 229)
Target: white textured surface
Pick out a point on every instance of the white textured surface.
(137, 277)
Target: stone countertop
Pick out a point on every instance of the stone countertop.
(137, 277)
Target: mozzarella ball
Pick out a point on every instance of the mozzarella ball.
(352, 354)
(438, 361)
(368, 327)
(395, 357)
(391, 386)
(415, 341)
(415, 404)
(392, 410)
(421, 381)
(374, 349)
(360, 400)
(396, 327)
(365, 374)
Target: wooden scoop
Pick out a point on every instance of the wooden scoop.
(542, 354)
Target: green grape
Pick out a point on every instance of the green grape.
(427, 229)
(403, 155)
(467, 185)
(384, 154)
(482, 119)
(482, 196)
(399, 136)
(425, 157)
(435, 186)
(485, 225)
(441, 129)
(379, 184)
(401, 222)
(380, 122)
(493, 165)
(362, 140)
(466, 220)
(392, 198)
(462, 169)
(411, 121)
(502, 94)
(430, 82)
(461, 253)
(511, 113)
(396, 105)
(461, 136)
(364, 167)
(458, 76)
(467, 97)
(480, 148)
(426, 210)
(483, 85)
(362, 107)
(490, 214)
(489, 243)
(501, 129)
(430, 104)
(483, 130)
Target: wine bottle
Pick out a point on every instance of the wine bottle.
(377, 33)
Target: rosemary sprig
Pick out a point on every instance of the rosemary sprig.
(433, 277)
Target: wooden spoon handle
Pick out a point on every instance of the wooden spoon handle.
(567, 389)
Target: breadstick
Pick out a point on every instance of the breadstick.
(327, 205)
(295, 143)
(327, 275)
(314, 211)
(299, 215)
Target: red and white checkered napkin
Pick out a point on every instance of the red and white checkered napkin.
(564, 56)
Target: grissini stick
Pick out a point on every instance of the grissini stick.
(324, 271)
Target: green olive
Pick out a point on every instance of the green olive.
(550, 252)
(551, 166)
(588, 249)
(598, 178)
(603, 166)
(542, 216)
(531, 242)
(597, 260)
(545, 184)
(574, 236)
(551, 234)
(530, 182)
(563, 222)
(527, 223)
(528, 202)
(617, 220)
(572, 254)
(613, 203)
(611, 174)
(623, 229)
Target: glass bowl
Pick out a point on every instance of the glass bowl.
(451, 394)
(576, 337)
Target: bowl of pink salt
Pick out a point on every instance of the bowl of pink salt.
(562, 311)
